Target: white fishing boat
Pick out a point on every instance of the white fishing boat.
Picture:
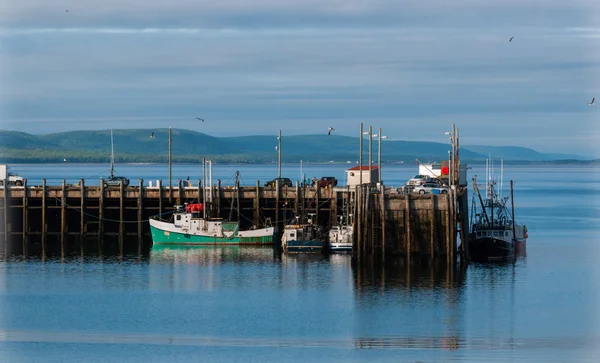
(340, 236)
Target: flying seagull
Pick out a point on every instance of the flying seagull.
(592, 103)
(66, 11)
(511, 38)
(152, 136)
(201, 119)
(329, 131)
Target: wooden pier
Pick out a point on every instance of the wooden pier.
(67, 219)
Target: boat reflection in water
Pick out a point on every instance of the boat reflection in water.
(211, 255)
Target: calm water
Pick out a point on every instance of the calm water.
(249, 304)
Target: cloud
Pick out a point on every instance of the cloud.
(409, 67)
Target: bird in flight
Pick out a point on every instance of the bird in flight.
(329, 131)
(66, 11)
(152, 136)
(511, 38)
(201, 119)
(592, 103)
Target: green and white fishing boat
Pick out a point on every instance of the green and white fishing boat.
(188, 227)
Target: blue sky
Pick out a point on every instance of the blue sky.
(254, 67)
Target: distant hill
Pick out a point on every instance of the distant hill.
(135, 145)
(520, 153)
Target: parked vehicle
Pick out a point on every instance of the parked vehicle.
(417, 180)
(327, 181)
(11, 178)
(282, 182)
(430, 188)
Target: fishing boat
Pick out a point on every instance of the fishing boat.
(188, 226)
(494, 233)
(340, 236)
(196, 224)
(302, 236)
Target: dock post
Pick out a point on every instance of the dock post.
(365, 214)
(25, 220)
(317, 192)
(63, 219)
(448, 225)
(333, 207)
(382, 217)
(101, 219)
(256, 213)
(43, 219)
(179, 199)
(200, 199)
(432, 226)
(297, 202)
(82, 224)
(408, 229)
(218, 196)
(140, 214)
(5, 193)
(160, 207)
(277, 190)
(121, 216)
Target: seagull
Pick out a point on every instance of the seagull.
(329, 131)
(592, 103)
(201, 119)
(66, 11)
(511, 38)
(152, 136)
(64, 160)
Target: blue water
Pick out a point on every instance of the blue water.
(244, 304)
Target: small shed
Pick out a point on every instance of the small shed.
(353, 175)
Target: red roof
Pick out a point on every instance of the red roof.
(364, 167)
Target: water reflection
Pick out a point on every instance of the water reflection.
(211, 255)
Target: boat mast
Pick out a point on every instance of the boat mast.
(480, 201)
(512, 206)
(112, 154)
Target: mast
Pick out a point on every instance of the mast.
(480, 201)
(512, 206)
(204, 187)
(112, 154)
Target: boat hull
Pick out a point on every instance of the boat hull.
(340, 247)
(489, 249)
(303, 246)
(166, 234)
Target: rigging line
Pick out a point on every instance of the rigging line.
(106, 219)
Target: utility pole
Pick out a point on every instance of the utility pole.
(370, 152)
(170, 160)
(361, 155)
(279, 155)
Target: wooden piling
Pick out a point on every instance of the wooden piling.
(408, 229)
(382, 216)
(256, 207)
(25, 220)
(44, 228)
(278, 192)
(317, 192)
(140, 206)
(82, 225)
(179, 192)
(217, 194)
(160, 206)
(101, 218)
(121, 217)
(5, 193)
(432, 226)
(297, 201)
(447, 212)
(63, 219)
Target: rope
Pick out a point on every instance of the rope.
(106, 219)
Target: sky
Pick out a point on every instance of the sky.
(255, 67)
